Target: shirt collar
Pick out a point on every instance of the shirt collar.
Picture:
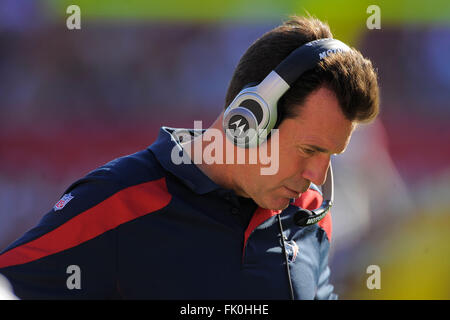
(188, 173)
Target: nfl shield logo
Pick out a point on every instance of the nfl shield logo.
(64, 200)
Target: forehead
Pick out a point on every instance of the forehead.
(319, 122)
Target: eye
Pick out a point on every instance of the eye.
(308, 151)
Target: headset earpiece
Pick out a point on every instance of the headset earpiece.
(254, 109)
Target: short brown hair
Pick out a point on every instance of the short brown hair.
(350, 75)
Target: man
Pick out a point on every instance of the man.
(150, 226)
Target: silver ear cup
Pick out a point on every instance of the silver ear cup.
(241, 127)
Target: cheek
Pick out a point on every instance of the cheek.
(260, 186)
(252, 180)
(291, 164)
(256, 184)
(268, 184)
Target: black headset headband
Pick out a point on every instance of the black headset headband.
(306, 57)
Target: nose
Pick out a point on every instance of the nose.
(316, 170)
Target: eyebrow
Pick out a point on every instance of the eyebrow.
(320, 149)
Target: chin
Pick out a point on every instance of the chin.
(275, 204)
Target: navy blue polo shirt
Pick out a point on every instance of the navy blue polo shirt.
(143, 227)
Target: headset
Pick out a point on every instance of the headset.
(253, 113)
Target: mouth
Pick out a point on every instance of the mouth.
(292, 193)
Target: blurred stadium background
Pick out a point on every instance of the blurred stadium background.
(71, 100)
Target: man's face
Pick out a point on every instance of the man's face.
(306, 144)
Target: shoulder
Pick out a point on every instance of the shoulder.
(109, 196)
(130, 170)
(119, 179)
(120, 188)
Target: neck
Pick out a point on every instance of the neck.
(223, 174)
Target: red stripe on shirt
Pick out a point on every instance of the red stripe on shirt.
(259, 216)
(125, 205)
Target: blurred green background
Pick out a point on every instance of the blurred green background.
(71, 100)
